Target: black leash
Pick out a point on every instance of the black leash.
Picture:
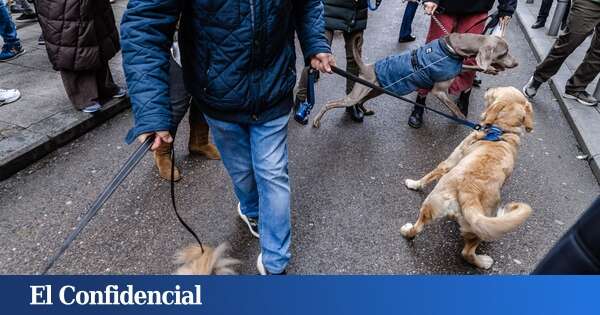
(356, 79)
(133, 160)
(185, 225)
(131, 163)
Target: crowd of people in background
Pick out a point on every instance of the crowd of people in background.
(82, 58)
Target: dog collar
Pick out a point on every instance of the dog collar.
(493, 133)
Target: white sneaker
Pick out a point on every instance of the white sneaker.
(252, 223)
(260, 267)
(263, 271)
(9, 96)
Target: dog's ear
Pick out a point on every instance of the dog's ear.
(484, 57)
(491, 113)
(528, 119)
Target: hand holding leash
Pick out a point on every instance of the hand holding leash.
(322, 62)
(160, 137)
(430, 7)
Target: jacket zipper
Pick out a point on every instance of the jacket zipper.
(252, 62)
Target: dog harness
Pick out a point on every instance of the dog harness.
(419, 68)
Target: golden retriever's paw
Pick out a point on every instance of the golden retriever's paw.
(484, 261)
(316, 123)
(406, 229)
(413, 184)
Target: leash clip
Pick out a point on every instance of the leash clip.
(302, 110)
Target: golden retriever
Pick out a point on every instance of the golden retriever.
(471, 178)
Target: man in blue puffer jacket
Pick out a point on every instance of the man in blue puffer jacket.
(239, 64)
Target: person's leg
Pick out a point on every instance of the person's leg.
(270, 159)
(356, 112)
(585, 74)
(8, 30)
(589, 67)
(81, 87)
(449, 22)
(180, 101)
(199, 142)
(107, 88)
(544, 11)
(582, 21)
(407, 20)
(233, 142)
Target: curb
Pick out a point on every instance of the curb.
(30, 146)
(582, 119)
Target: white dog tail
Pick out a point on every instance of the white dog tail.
(195, 261)
(508, 219)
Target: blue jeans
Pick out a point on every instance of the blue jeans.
(8, 31)
(256, 158)
(407, 19)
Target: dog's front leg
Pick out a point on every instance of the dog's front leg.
(445, 166)
(440, 90)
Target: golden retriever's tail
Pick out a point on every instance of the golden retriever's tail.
(508, 219)
(357, 41)
(194, 261)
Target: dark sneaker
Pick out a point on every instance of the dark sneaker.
(263, 271)
(355, 113)
(10, 52)
(406, 39)
(530, 89)
(416, 117)
(538, 24)
(366, 111)
(582, 97)
(92, 108)
(41, 40)
(14, 9)
(120, 93)
(252, 223)
(26, 17)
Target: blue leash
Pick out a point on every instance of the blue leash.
(493, 133)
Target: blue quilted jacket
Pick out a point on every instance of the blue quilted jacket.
(238, 56)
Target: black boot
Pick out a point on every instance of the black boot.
(355, 113)
(463, 102)
(538, 24)
(416, 117)
(366, 111)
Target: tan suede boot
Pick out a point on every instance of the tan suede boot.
(199, 141)
(162, 158)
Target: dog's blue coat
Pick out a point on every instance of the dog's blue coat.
(420, 68)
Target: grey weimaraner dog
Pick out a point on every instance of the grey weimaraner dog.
(432, 66)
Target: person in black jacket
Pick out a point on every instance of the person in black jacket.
(350, 17)
(459, 16)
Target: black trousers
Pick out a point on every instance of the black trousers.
(545, 11)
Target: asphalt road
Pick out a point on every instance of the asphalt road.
(349, 200)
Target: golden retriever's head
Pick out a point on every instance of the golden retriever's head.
(507, 108)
